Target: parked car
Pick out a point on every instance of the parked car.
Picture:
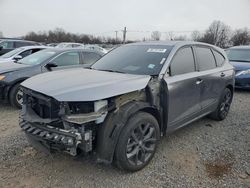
(7, 45)
(19, 53)
(69, 45)
(52, 44)
(13, 73)
(132, 96)
(239, 57)
(96, 47)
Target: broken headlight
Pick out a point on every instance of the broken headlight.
(80, 113)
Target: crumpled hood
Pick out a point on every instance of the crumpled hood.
(11, 66)
(85, 84)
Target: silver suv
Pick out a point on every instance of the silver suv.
(120, 107)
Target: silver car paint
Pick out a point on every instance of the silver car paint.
(85, 84)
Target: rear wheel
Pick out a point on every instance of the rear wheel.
(137, 143)
(224, 106)
(16, 96)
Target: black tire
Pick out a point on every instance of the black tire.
(14, 96)
(138, 139)
(224, 106)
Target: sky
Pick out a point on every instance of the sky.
(103, 18)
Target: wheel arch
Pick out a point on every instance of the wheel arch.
(109, 132)
(18, 81)
(230, 86)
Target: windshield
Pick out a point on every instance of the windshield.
(135, 59)
(242, 55)
(38, 57)
(12, 53)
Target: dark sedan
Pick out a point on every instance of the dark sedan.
(13, 73)
(239, 57)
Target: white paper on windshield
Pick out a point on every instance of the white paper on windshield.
(157, 50)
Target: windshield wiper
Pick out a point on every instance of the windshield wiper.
(108, 70)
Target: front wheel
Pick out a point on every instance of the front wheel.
(137, 142)
(224, 106)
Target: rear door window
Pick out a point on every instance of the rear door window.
(183, 62)
(68, 58)
(205, 58)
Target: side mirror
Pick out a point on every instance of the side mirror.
(17, 57)
(50, 65)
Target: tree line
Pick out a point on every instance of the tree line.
(218, 33)
(59, 35)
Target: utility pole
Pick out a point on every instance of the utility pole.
(124, 35)
(116, 36)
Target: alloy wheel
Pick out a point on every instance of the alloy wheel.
(141, 144)
(225, 104)
(19, 97)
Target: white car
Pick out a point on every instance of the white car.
(20, 53)
(69, 45)
(96, 47)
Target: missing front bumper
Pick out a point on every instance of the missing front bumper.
(52, 138)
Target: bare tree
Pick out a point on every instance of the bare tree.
(217, 34)
(196, 36)
(180, 37)
(171, 35)
(156, 35)
(241, 37)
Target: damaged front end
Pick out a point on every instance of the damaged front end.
(85, 126)
(65, 126)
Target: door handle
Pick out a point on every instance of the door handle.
(199, 81)
(222, 74)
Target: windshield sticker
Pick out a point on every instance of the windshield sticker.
(151, 66)
(162, 61)
(157, 50)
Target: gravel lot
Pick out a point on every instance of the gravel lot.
(204, 154)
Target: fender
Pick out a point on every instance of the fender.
(110, 130)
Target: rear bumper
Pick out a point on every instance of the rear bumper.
(48, 139)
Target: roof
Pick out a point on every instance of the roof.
(246, 47)
(170, 43)
(74, 49)
(12, 39)
(32, 47)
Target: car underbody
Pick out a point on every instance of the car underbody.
(92, 126)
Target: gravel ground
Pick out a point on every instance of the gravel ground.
(204, 154)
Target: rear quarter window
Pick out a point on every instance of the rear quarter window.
(220, 59)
